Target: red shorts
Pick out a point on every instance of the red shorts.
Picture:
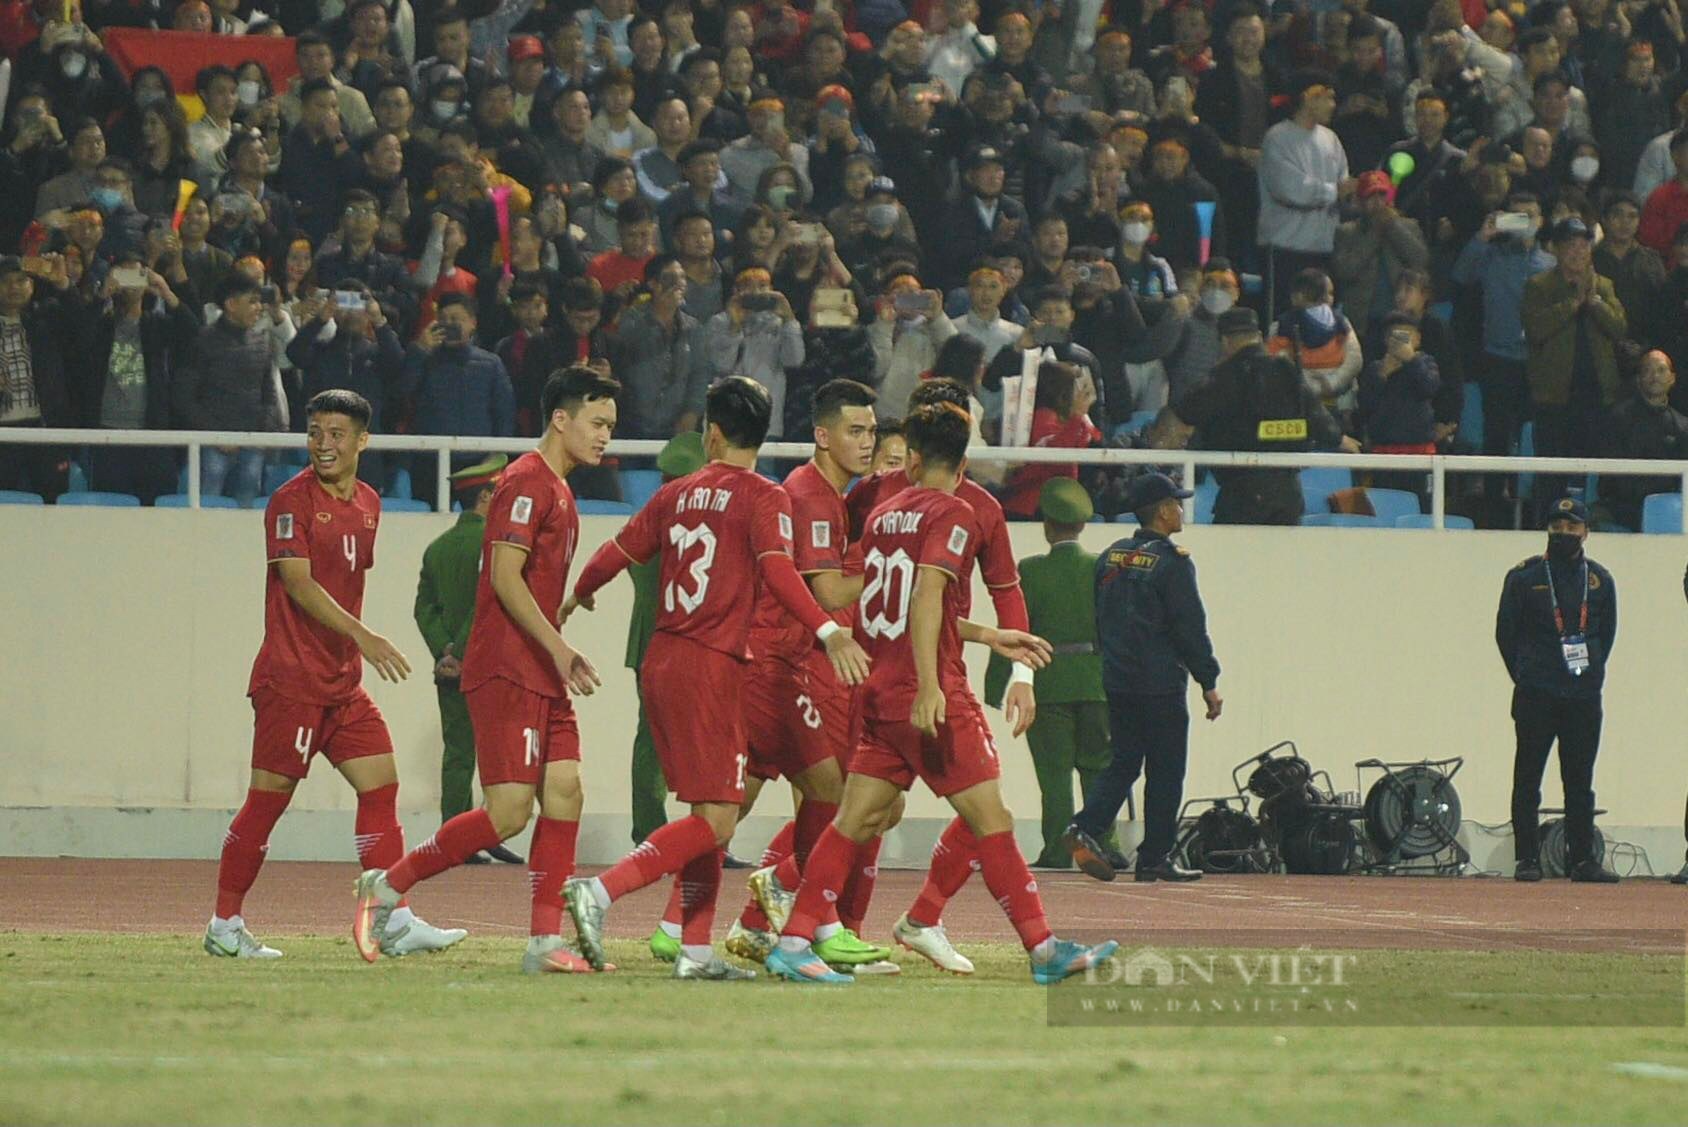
(287, 732)
(694, 701)
(794, 719)
(518, 731)
(962, 756)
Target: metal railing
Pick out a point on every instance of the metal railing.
(1438, 466)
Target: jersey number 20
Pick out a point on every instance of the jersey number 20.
(888, 582)
(684, 540)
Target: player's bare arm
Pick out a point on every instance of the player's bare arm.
(1015, 645)
(320, 605)
(849, 660)
(518, 601)
(926, 619)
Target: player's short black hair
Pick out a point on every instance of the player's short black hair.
(939, 433)
(339, 401)
(568, 388)
(742, 408)
(888, 428)
(834, 395)
(927, 393)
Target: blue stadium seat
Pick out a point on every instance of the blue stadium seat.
(276, 476)
(1319, 482)
(1470, 431)
(1661, 514)
(1527, 449)
(1422, 520)
(19, 497)
(404, 505)
(639, 486)
(206, 501)
(1125, 518)
(1389, 504)
(107, 500)
(78, 479)
(1341, 520)
(1206, 493)
(400, 489)
(604, 508)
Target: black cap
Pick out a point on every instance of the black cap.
(1568, 508)
(10, 264)
(1237, 320)
(1571, 228)
(1152, 489)
(981, 154)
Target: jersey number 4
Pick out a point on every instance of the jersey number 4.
(684, 540)
(888, 583)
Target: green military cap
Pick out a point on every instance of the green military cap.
(682, 455)
(484, 473)
(1064, 501)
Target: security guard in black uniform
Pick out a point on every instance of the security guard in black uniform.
(1153, 631)
(1253, 401)
(1557, 621)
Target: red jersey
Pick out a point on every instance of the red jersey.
(301, 658)
(820, 532)
(916, 528)
(711, 528)
(996, 555)
(532, 508)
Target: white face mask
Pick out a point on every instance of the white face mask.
(445, 111)
(1135, 233)
(248, 91)
(1584, 169)
(74, 64)
(1217, 301)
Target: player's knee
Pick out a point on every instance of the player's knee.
(509, 816)
(894, 814)
(824, 782)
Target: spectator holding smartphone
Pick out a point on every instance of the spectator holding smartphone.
(454, 387)
(757, 335)
(1060, 418)
(909, 327)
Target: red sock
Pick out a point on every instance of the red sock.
(700, 885)
(753, 918)
(812, 818)
(452, 844)
(858, 889)
(954, 859)
(817, 895)
(244, 846)
(674, 913)
(550, 861)
(665, 851)
(378, 837)
(1011, 883)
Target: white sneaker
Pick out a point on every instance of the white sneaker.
(716, 969)
(881, 966)
(933, 943)
(237, 943)
(418, 936)
(775, 900)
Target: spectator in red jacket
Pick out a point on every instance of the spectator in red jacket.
(1667, 207)
(1060, 417)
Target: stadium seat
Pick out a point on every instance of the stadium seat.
(604, 508)
(1319, 482)
(106, 500)
(1390, 504)
(405, 505)
(19, 497)
(1422, 520)
(1341, 520)
(1206, 493)
(639, 486)
(78, 479)
(400, 489)
(1526, 449)
(1470, 433)
(1125, 518)
(206, 501)
(276, 476)
(1661, 514)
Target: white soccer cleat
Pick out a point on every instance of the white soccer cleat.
(878, 966)
(236, 943)
(716, 969)
(419, 936)
(933, 943)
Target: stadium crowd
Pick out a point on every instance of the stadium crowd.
(1443, 212)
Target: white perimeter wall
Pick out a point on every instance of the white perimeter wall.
(128, 637)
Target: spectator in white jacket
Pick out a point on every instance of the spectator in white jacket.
(1303, 179)
(757, 335)
(910, 328)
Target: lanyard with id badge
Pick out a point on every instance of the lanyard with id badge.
(1574, 647)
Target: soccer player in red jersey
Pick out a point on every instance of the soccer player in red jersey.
(920, 718)
(723, 534)
(306, 685)
(517, 675)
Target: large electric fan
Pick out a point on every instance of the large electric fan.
(1412, 812)
(1556, 848)
(1224, 840)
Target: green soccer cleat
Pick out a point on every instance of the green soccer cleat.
(845, 948)
(775, 900)
(236, 943)
(588, 919)
(716, 969)
(664, 947)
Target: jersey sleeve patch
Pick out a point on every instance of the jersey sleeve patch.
(820, 534)
(521, 511)
(284, 526)
(957, 540)
(785, 527)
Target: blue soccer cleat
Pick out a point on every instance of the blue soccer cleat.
(803, 966)
(1068, 959)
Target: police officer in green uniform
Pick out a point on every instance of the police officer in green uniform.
(1253, 401)
(445, 609)
(682, 455)
(1071, 729)
(1153, 632)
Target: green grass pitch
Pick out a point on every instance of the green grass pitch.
(122, 1029)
